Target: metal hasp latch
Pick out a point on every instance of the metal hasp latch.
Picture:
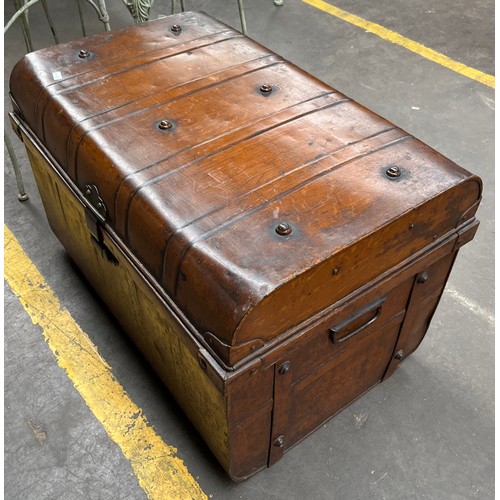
(96, 214)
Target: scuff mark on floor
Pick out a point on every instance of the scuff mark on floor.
(38, 432)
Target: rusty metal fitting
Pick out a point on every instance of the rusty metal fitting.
(266, 89)
(165, 125)
(283, 229)
(284, 368)
(422, 278)
(279, 441)
(393, 171)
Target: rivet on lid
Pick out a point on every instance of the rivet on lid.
(393, 171)
(283, 229)
(266, 89)
(165, 125)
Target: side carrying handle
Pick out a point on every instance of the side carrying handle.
(357, 322)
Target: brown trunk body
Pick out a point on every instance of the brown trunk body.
(278, 244)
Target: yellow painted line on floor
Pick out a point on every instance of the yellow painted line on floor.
(160, 472)
(401, 40)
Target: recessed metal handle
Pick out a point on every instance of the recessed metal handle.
(350, 327)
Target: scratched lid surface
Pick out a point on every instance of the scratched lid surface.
(237, 179)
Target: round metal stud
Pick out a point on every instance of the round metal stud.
(279, 441)
(284, 368)
(165, 125)
(393, 171)
(422, 278)
(83, 54)
(176, 29)
(283, 229)
(399, 355)
(266, 89)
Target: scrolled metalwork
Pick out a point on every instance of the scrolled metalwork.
(139, 9)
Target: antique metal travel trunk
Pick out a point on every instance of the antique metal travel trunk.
(272, 247)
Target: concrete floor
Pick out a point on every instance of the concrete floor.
(425, 433)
